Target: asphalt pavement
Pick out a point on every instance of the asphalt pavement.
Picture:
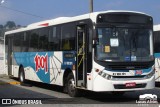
(51, 94)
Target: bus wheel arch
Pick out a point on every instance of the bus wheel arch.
(65, 75)
(69, 83)
(21, 74)
(71, 86)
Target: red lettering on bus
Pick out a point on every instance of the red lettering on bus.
(41, 62)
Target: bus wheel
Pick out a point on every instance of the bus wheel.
(21, 75)
(72, 90)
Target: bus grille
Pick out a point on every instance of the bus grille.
(129, 66)
(118, 67)
(140, 76)
(126, 78)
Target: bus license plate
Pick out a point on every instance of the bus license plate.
(132, 84)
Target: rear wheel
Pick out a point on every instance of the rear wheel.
(72, 90)
(21, 75)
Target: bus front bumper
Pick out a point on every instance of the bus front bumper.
(102, 84)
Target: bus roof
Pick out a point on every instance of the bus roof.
(156, 27)
(61, 20)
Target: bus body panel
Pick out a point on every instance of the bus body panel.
(101, 84)
(46, 67)
(157, 67)
(157, 51)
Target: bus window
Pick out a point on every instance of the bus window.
(25, 42)
(34, 35)
(68, 37)
(54, 39)
(156, 42)
(43, 39)
(17, 42)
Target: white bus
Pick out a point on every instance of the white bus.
(156, 36)
(109, 51)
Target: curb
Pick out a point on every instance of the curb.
(10, 83)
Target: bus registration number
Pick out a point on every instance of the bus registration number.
(119, 74)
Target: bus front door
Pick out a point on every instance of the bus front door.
(81, 56)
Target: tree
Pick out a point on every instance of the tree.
(10, 25)
(1, 27)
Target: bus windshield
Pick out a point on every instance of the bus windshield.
(123, 44)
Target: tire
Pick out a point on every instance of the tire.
(21, 75)
(72, 90)
(65, 87)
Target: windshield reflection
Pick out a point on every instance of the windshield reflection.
(123, 44)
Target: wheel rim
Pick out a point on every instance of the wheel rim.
(71, 84)
(21, 77)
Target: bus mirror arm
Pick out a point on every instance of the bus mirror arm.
(95, 43)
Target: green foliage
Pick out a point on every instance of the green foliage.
(10, 25)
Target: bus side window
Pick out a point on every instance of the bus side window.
(68, 37)
(18, 42)
(25, 41)
(43, 39)
(54, 38)
(34, 35)
(66, 45)
(156, 42)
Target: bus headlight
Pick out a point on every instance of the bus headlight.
(150, 74)
(105, 75)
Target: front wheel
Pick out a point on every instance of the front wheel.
(72, 90)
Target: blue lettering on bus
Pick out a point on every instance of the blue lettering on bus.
(68, 59)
